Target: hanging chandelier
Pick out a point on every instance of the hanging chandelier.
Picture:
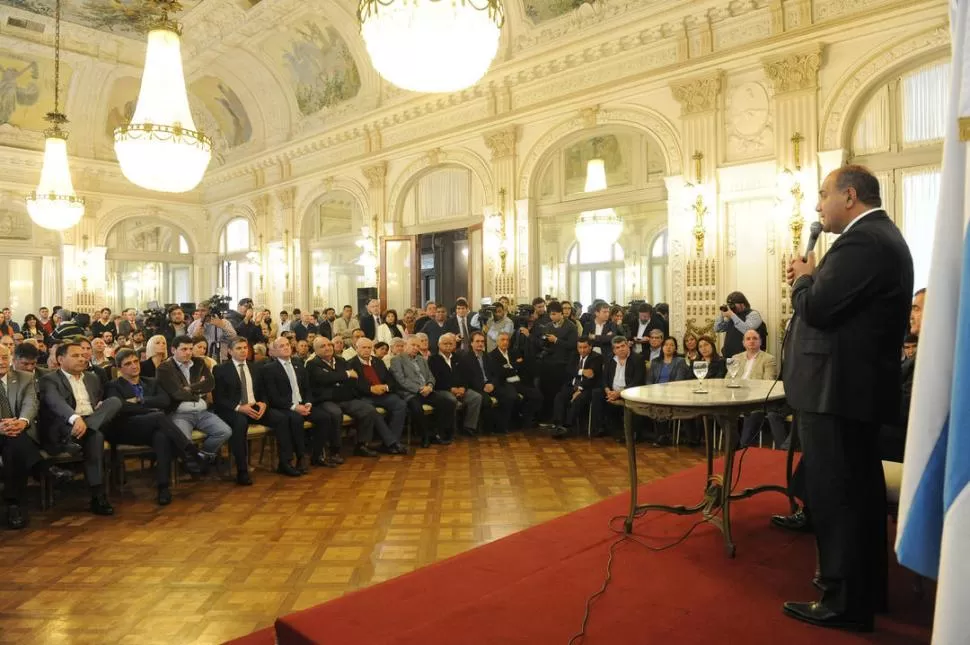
(599, 227)
(55, 205)
(431, 45)
(161, 149)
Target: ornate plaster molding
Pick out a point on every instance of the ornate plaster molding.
(286, 196)
(190, 226)
(637, 117)
(699, 94)
(333, 184)
(438, 156)
(837, 114)
(376, 175)
(794, 71)
(501, 143)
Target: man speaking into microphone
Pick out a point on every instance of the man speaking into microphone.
(841, 375)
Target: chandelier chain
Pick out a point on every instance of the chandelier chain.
(57, 56)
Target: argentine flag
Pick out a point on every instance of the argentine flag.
(934, 505)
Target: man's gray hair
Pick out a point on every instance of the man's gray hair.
(445, 337)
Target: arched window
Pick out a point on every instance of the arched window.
(595, 273)
(898, 134)
(236, 271)
(147, 261)
(657, 268)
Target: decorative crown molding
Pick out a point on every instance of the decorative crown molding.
(376, 175)
(261, 204)
(501, 143)
(794, 71)
(286, 196)
(699, 94)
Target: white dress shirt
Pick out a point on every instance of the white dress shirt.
(619, 377)
(748, 366)
(857, 218)
(82, 400)
(294, 383)
(250, 397)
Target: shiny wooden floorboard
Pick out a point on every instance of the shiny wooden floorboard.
(223, 560)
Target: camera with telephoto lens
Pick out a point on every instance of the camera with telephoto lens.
(724, 308)
(486, 312)
(155, 318)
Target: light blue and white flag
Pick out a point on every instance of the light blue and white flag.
(934, 507)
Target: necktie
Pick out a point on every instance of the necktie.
(139, 391)
(5, 411)
(244, 386)
(461, 328)
(294, 384)
(481, 364)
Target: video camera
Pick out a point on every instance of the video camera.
(486, 312)
(522, 315)
(155, 317)
(217, 306)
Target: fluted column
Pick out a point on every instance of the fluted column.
(376, 217)
(293, 287)
(265, 295)
(499, 266)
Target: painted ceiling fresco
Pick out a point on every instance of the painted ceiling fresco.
(124, 17)
(542, 10)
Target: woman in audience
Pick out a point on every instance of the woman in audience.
(716, 367)
(691, 353)
(569, 315)
(6, 329)
(156, 350)
(666, 368)
(396, 347)
(31, 327)
(408, 321)
(390, 328)
(616, 315)
(200, 349)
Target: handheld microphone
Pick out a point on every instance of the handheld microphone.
(816, 230)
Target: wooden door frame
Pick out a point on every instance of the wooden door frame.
(470, 286)
(415, 278)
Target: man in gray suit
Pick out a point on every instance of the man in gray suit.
(18, 407)
(72, 413)
(416, 386)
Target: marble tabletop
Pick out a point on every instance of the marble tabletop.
(681, 393)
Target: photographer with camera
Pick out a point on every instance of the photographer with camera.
(554, 344)
(496, 323)
(737, 317)
(214, 327)
(244, 322)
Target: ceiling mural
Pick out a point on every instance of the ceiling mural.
(542, 10)
(318, 62)
(225, 107)
(125, 17)
(27, 90)
(121, 102)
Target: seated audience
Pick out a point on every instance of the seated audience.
(450, 381)
(619, 372)
(759, 365)
(19, 451)
(584, 374)
(668, 367)
(375, 384)
(415, 384)
(390, 328)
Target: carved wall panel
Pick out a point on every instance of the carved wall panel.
(748, 118)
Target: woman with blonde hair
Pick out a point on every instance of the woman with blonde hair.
(156, 350)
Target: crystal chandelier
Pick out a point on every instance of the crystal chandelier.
(161, 149)
(599, 227)
(54, 204)
(431, 45)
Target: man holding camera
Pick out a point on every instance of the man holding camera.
(555, 345)
(218, 331)
(737, 317)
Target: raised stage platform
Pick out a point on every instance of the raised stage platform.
(531, 587)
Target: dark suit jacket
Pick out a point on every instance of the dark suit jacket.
(908, 369)
(842, 357)
(383, 373)
(563, 350)
(451, 325)
(331, 383)
(22, 395)
(434, 331)
(502, 371)
(593, 362)
(279, 395)
(605, 340)
(302, 331)
(98, 328)
(446, 377)
(472, 372)
(58, 403)
(154, 397)
(634, 372)
(678, 370)
(716, 368)
(228, 387)
(367, 325)
(171, 380)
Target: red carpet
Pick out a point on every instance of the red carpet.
(531, 587)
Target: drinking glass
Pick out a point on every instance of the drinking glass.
(733, 367)
(700, 371)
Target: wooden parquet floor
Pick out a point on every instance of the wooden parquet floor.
(224, 560)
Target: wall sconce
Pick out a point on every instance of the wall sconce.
(254, 260)
(495, 224)
(695, 203)
(286, 255)
(790, 187)
(368, 249)
(82, 262)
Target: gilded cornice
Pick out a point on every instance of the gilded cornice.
(794, 71)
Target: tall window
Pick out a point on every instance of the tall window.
(236, 273)
(657, 268)
(148, 261)
(899, 136)
(595, 273)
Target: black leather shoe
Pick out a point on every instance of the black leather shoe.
(164, 496)
(560, 432)
(322, 462)
(797, 522)
(425, 441)
(334, 455)
(469, 432)
(815, 613)
(60, 476)
(363, 451)
(100, 505)
(16, 518)
(243, 479)
(285, 469)
(400, 449)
